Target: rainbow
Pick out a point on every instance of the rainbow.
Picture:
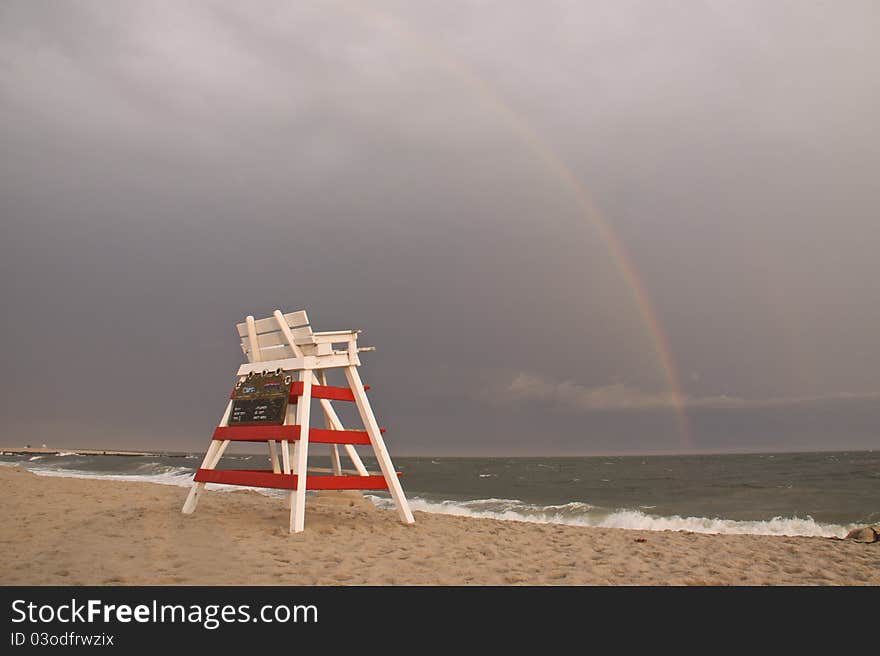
(553, 163)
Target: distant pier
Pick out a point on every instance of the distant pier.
(79, 452)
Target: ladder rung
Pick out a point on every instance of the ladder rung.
(265, 478)
(291, 434)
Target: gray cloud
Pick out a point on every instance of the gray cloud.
(525, 387)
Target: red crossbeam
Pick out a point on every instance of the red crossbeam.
(319, 392)
(265, 478)
(289, 433)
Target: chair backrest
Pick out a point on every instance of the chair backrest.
(272, 342)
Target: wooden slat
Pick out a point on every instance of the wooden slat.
(379, 448)
(274, 345)
(294, 320)
(283, 351)
(289, 433)
(301, 336)
(335, 337)
(279, 352)
(266, 478)
(291, 364)
(278, 338)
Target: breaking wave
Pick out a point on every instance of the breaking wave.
(164, 475)
(583, 514)
(148, 472)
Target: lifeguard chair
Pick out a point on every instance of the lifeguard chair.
(271, 402)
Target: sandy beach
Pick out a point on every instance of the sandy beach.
(65, 531)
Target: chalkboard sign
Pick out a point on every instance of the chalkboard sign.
(260, 399)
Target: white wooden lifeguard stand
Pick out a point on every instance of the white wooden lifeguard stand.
(287, 342)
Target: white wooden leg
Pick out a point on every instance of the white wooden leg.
(192, 499)
(285, 467)
(356, 460)
(212, 456)
(334, 460)
(218, 454)
(290, 417)
(298, 507)
(290, 420)
(209, 454)
(285, 456)
(321, 378)
(288, 498)
(273, 457)
(385, 464)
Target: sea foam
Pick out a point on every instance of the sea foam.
(170, 476)
(151, 473)
(584, 514)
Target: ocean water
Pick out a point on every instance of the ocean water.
(816, 494)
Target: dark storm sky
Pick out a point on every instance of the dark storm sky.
(414, 170)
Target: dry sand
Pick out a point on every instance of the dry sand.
(63, 531)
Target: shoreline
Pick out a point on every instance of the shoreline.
(515, 510)
(71, 531)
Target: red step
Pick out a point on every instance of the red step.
(290, 433)
(319, 392)
(265, 478)
(322, 392)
